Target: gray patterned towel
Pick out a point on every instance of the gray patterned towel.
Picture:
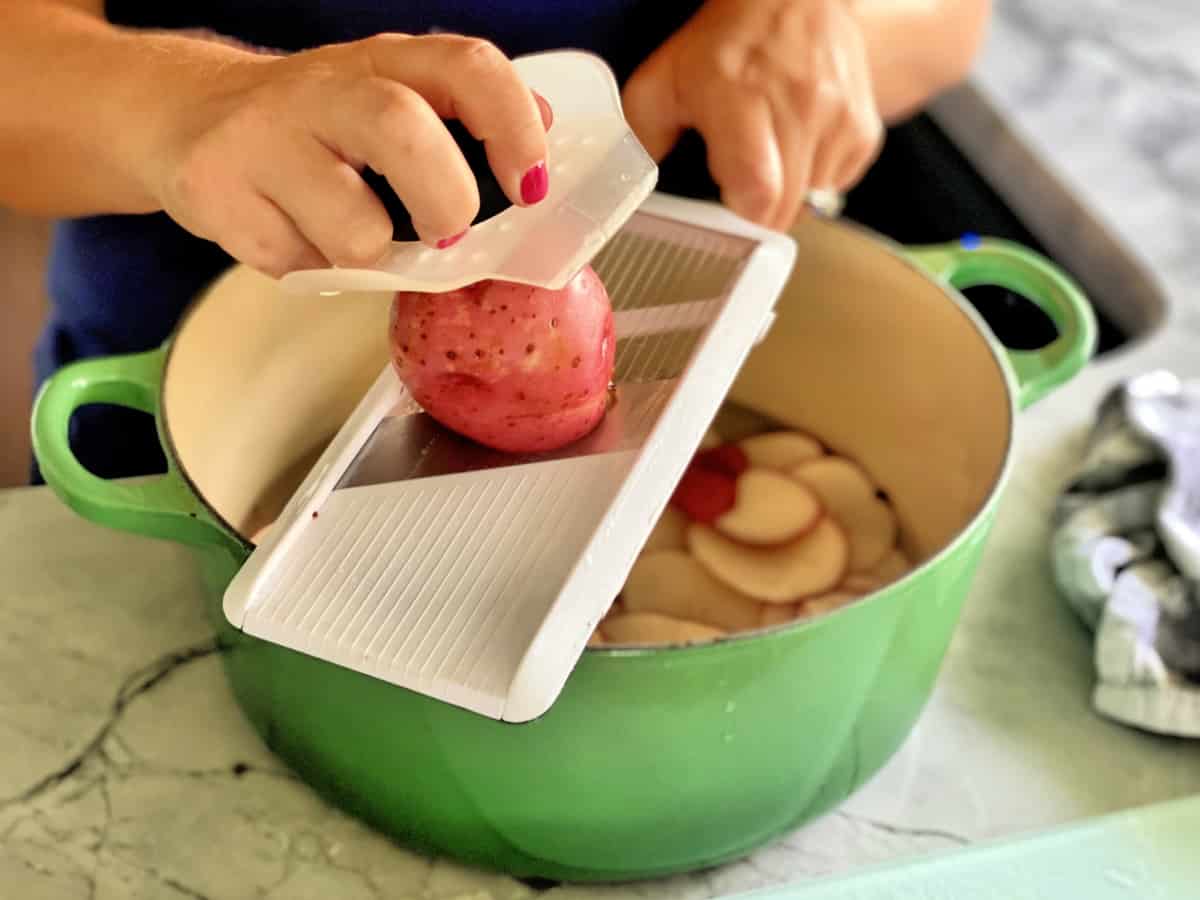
(1124, 553)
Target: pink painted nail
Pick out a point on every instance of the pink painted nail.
(535, 184)
(450, 241)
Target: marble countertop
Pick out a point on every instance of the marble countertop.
(127, 771)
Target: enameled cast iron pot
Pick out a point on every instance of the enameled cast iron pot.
(652, 761)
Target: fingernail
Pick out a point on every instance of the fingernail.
(535, 184)
(450, 241)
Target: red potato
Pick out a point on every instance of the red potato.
(810, 565)
(769, 508)
(669, 533)
(704, 493)
(674, 584)
(707, 488)
(513, 367)
(782, 450)
(655, 628)
(726, 458)
(848, 495)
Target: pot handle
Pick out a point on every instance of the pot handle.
(162, 506)
(972, 262)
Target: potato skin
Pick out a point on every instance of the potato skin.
(516, 368)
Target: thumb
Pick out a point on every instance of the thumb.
(652, 107)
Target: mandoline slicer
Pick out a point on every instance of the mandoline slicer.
(476, 577)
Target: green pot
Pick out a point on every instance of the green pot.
(652, 761)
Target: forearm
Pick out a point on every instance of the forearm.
(918, 48)
(83, 105)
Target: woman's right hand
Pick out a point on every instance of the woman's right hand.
(263, 157)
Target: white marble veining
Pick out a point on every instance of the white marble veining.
(126, 770)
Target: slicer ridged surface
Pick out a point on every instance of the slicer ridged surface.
(657, 262)
(460, 571)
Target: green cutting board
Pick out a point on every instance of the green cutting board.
(1150, 853)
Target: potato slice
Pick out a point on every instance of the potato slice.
(670, 532)
(777, 614)
(711, 439)
(769, 508)
(672, 583)
(815, 606)
(848, 494)
(653, 628)
(892, 567)
(782, 450)
(811, 564)
(861, 583)
(597, 639)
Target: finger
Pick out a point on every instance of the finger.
(844, 155)
(392, 129)
(472, 81)
(855, 165)
(544, 108)
(863, 126)
(264, 238)
(743, 151)
(797, 147)
(837, 144)
(652, 108)
(866, 126)
(334, 209)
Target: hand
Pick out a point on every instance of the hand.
(263, 156)
(780, 90)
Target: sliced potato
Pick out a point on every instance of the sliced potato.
(673, 583)
(654, 628)
(815, 606)
(862, 583)
(782, 450)
(777, 613)
(810, 565)
(892, 567)
(670, 532)
(769, 508)
(848, 495)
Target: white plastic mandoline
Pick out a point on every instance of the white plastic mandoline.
(418, 557)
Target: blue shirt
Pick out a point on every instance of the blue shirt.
(119, 283)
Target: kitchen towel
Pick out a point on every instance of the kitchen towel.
(1126, 552)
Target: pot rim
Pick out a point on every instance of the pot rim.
(164, 425)
(886, 244)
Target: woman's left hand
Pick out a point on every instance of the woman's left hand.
(781, 92)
